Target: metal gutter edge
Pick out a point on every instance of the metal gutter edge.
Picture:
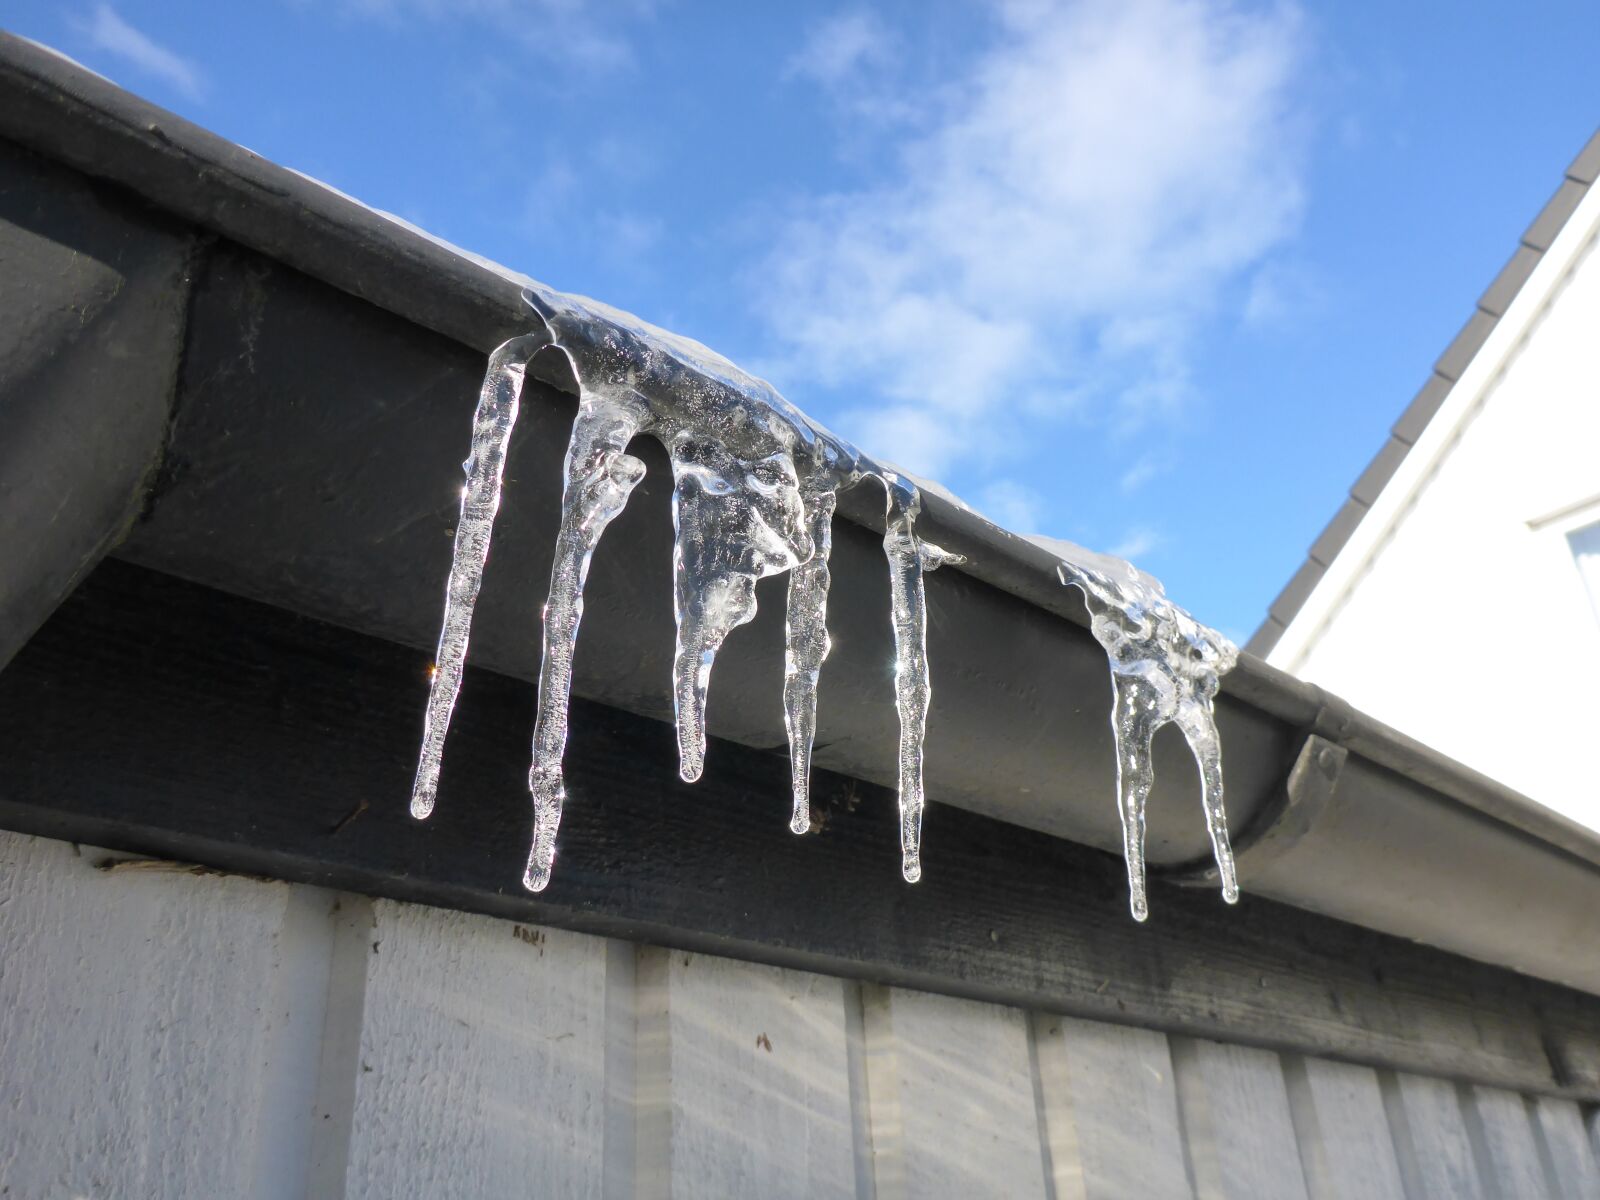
(94, 303)
(76, 118)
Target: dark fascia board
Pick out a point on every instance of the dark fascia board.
(73, 117)
(1492, 305)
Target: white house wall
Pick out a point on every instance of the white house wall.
(179, 1034)
(1465, 623)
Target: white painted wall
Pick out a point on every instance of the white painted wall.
(1456, 613)
(192, 1036)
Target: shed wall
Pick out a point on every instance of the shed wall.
(170, 1032)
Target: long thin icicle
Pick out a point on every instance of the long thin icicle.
(806, 646)
(492, 423)
(1165, 668)
(600, 476)
(908, 561)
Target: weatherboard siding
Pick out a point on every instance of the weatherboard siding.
(174, 1032)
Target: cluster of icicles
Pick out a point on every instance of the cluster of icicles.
(755, 484)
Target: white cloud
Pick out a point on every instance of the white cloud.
(625, 237)
(585, 33)
(1145, 468)
(1011, 505)
(1137, 543)
(1055, 236)
(839, 47)
(109, 32)
(1279, 293)
(554, 189)
(852, 57)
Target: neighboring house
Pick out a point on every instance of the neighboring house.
(1456, 595)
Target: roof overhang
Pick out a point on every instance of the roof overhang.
(323, 372)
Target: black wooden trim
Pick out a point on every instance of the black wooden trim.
(161, 717)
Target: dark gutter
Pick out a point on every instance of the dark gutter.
(92, 303)
(313, 465)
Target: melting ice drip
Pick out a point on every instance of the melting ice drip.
(1165, 668)
(755, 483)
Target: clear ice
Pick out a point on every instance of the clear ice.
(755, 483)
(1165, 668)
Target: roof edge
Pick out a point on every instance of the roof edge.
(1451, 365)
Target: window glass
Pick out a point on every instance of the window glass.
(1585, 544)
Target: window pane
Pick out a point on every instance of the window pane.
(1585, 545)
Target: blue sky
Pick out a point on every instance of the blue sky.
(1154, 276)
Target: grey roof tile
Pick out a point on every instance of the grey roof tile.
(1586, 167)
(1379, 471)
(1584, 171)
(1459, 353)
(1421, 409)
(1554, 214)
(1266, 636)
(1497, 297)
(1294, 594)
(1337, 532)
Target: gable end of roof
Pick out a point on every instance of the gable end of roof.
(1491, 306)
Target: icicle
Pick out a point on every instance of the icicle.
(908, 605)
(1165, 668)
(740, 513)
(600, 476)
(755, 485)
(480, 500)
(806, 646)
(736, 522)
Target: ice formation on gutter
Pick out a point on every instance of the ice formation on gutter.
(1165, 668)
(755, 484)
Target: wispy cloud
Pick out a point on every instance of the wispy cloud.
(1145, 468)
(562, 205)
(838, 47)
(1137, 543)
(1055, 236)
(627, 236)
(107, 31)
(850, 56)
(1011, 504)
(591, 34)
(1278, 294)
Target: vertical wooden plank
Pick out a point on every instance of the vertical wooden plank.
(952, 1097)
(855, 1029)
(1509, 1160)
(1430, 1137)
(481, 1059)
(1570, 1158)
(150, 1019)
(1110, 1110)
(1342, 1131)
(620, 1139)
(1236, 1122)
(339, 1054)
(743, 1080)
